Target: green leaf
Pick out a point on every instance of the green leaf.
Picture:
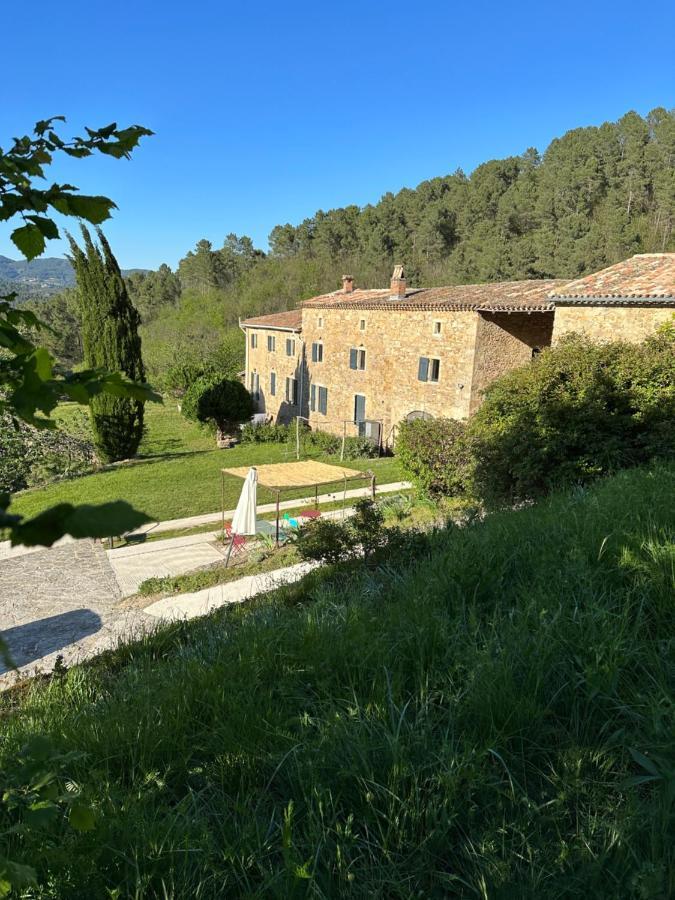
(47, 227)
(93, 209)
(29, 241)
(41, 814)
(82, 817)
(14, 875)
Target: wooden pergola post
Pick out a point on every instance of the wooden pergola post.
(373, 483)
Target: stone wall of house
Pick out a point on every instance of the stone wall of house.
(610, 323)
(394, 341)
(505, 341)
(262, 362)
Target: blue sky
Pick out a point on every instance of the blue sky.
(265, 112)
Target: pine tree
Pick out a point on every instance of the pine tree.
(109, 340)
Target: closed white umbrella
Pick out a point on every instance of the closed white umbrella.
(244, 519)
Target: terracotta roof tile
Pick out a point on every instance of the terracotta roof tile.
(647, 276)
(502, 296)
(290, 320)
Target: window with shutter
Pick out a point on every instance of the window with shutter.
(254, 340)
(353, 358)
(434, 369)
(317, 352)
(271, 343)
(290, 347)
(423, 370)
(323, 400)
(273, 384)
(312, 398)
(359, 408)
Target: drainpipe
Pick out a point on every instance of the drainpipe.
(246, 359)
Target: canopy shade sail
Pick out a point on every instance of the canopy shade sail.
(282, 476)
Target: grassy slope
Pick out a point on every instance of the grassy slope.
(471, 726)
(178, 472)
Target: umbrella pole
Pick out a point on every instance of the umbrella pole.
(229, 551)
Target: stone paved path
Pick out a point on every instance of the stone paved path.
(60, 601)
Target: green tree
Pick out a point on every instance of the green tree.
(222, 403)
(110, 341)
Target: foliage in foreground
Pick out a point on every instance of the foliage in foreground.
(493, 721)
(30, 388)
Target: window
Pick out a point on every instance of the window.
(362, 325)
(317, 352)
(359, 408)
(273, 384)
(290, 347)
(271, 343)
(318, 399)
(319, 322)
(437, 328)
(428, 369)
(357, 358)
(292, 391)
(254, 340)
(255, 385)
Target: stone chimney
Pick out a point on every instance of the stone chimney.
(398, 284)
(347, 284)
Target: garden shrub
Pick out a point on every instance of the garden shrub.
(267, 433)
(31, 456)
(577, 412)
(435, 453)
(219, 402)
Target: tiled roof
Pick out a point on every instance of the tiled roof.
(289, 321)
(646, 277)
(502, 296)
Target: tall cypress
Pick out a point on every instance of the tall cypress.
(110, 341)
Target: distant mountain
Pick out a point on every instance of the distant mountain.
(39, 277)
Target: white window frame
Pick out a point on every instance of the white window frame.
(362, 324)
(319, 351)
(437, 328)
(271, 343)
(434, 362)
(254, 340)
(291, 342)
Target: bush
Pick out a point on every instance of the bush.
(219, 402)
(268, 433)
(435, 453)
(31, 456)
(579, 411)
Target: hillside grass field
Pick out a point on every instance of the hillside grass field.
(177, 472)
(493, 720)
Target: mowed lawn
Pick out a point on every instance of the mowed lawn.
(177, 472)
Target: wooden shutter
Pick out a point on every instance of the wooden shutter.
(323, 400)
(423, 371)
(353, 358)
(312, 397)
(359, 408)
(273, 383)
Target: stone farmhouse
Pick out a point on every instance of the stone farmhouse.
(359, 361)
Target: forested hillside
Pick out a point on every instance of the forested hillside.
(595, 196)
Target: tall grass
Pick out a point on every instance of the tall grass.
(493, 722)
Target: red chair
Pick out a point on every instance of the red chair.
(238, 540)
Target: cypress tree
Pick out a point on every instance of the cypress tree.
(110, 341)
